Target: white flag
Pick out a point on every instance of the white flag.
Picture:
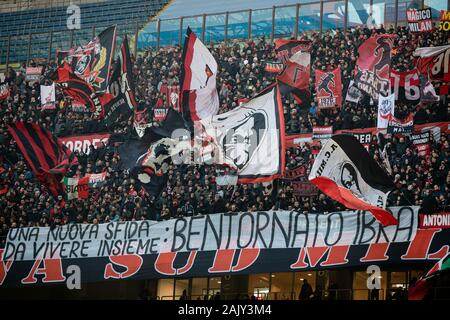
(428, 52)
(250, 138)
(386, 106)
(48, 97)
(199, 97)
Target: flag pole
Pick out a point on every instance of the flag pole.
(277, 203)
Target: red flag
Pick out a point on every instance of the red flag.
(4, 91)
(421, 288)
(329, 89)
(373, 65)
(434, 62)
(294, 77)
(83, 188)
(92, 61)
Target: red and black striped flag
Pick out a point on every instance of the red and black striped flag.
(48, 158)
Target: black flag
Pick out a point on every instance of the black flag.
(346, 172)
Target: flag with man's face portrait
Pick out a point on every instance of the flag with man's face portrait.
(249, 139)
(346, 172)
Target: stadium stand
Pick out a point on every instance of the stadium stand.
(38, 22)
(191, 190)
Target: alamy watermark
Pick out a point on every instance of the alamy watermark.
(237, 146)
(73, 280)
(374, 279)
(74, 17)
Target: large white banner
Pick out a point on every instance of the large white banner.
(263, 229)
(249, 138)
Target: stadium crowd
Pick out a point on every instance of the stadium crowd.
(191, 189)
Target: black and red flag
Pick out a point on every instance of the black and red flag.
(329, 88)
(406, 85)
(373, 65)
(122, 90)
(80, 90)
(294, 76)
(285, 49)
(48, 158)
(128, 85)
(141, 121)
(346, 172)
(401, 126)
(92, 61)
(434, 62)
(422, 289)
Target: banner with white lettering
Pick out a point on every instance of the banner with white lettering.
(83, 143)
(422, 143)
(401, 126)
(33, 73)
(269, 230)
(217, 244)
(322, 132)
(297, 172)
(435, 220)
(304, 189)
(296, 140)
(160, 113)
(419, 20)
(364, 136)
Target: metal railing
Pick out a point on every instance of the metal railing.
(278, 21)
(274, 22)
